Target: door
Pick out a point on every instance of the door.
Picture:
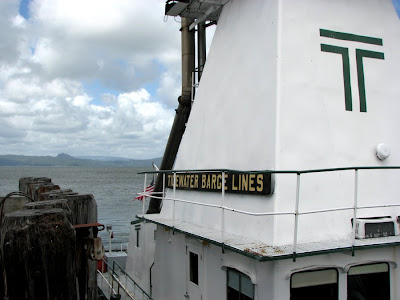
(194, 270)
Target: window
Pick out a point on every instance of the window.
(137, 228)
(310, 285)
(368, 282)
(239, 287)
(194, 267)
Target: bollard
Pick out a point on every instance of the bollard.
(36, 243)
(59, 203)
(84, 211)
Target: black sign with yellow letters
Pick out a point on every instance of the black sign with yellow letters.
(235, 182)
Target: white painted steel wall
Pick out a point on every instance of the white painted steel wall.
(140, 259)
(271, 279)
(233, 120)
(271, 99)
(171, 269)
(315, 130)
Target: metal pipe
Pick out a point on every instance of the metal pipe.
(163, 187)
(109, 243)
(193, 87)
(182, 112)
(324, 210)
(144, 194)
(276, 171)
(201, 48)
(355, 208)
(296, 217)
(188, 57)
(173, 209)
(151, 282)
(223, 208)
(378, 206)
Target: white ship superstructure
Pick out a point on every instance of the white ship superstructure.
(286, 184)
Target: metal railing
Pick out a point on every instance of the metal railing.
(105, 285)
(295, 213)
(120, 283)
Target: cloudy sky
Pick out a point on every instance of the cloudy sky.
(87, 77)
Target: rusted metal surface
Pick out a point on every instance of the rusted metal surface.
(90, 225)
(24, 183)
(44, 189)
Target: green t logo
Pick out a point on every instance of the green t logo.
(360, 54)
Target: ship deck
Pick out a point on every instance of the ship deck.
(263, 252)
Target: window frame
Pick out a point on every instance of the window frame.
(366, 265)
(240, 274)
(193, 268)
(312, 271)
(137, 229)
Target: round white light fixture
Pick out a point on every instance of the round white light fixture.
(382, 151)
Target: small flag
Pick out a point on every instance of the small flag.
(148, 191)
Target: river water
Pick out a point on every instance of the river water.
(112, 187)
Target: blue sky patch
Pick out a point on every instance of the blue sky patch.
(24, 8)
(95, 89)
(396, 4)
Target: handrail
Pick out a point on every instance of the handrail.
(115, 276)
(296, 212)
(107, 282)
(125, 289)
(272, 171)
(128, 276)
(271, 213)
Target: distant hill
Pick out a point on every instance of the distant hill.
(68, 160)
(104, 158)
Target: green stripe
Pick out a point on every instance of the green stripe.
(350, 37)
(360, 71)
(346, 71)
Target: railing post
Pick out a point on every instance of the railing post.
(144, 192)
(112, 278)
(222, 207)
(355, 210)
(296, 217)
(174, 196)
(110, 287)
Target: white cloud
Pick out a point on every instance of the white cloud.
(88, 77)
(120, 46)
(76, 35)
(75, 126)
(19, 22)
(170, 88)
